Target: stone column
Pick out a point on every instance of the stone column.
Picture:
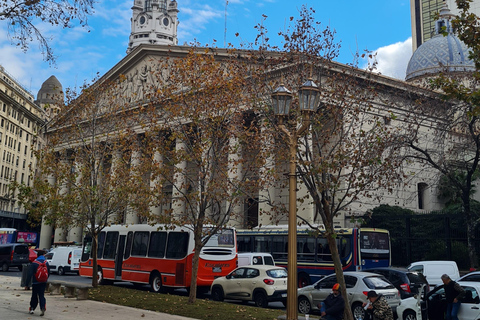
(132, 216)
(46, 231)
(180, 183)
(114, 169)
(269, 192)
(76, 232)
(61, 233)
(154, 183)
(235, 175)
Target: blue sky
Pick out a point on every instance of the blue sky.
(378, 25)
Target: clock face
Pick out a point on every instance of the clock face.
(142, 19)
(165, 21)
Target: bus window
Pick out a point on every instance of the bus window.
(279, 247)
(262, 244)
(374, 245)
(224, 238)
(87, 248)
(244, 244)
(128, 246)
(110, 245)
(323, 250)
(177, 245)
(306, 248)
(140, 243)
(343, 245)
(101, 244)
(158, 241)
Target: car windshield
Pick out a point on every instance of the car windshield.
(277, 273)
(377, 283)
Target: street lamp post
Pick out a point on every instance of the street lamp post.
(309, 97)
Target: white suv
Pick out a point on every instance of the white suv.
(261, 284)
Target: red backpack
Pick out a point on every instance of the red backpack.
(42, 272)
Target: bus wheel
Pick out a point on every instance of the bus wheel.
(101, 280)
(217, 294)
(303, 280)
(156, 282)
(260, 300)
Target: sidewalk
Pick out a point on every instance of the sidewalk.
(14, 303)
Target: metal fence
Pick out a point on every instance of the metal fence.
(428, 236)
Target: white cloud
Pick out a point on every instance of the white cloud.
(393, 59)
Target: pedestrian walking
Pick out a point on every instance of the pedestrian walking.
(378, 306)
(38, 275)
(453, 295)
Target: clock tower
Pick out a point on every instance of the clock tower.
(153, 22)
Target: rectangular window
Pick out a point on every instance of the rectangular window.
(128, 247)
(101, 244)
(177, 245)
(158, 240)
(140, 243)
(110, 245)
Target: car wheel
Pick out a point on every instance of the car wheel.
(4, 267)
(358, 311)
(260, 300)
(217, 294)
(60, 271)
(304, 305)
(155, 282)
(409, 315)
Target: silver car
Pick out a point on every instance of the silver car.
(358, 284)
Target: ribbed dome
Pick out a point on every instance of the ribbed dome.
(50, 91)
(438, 54)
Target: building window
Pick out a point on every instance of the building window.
(422, 194)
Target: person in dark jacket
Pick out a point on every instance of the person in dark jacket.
(38, 288)
(453, 295)
(333, 306)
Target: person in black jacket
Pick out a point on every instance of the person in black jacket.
(453, 294)
(333, 306)
(38, 288)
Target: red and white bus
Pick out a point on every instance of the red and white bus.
(158, 255)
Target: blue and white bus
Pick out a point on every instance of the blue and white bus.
(359, 249)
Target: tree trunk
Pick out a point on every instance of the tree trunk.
(470, 228)
(192, 297)
(332, 244)
(94, 258)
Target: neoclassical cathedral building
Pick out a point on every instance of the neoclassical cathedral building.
(154, 38)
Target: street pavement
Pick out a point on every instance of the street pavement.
(15, 301)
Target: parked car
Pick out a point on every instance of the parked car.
(433, 304)
(358, 284)
(471, 276)
(255, 258)
(32, 255)
(13, 255)
(64, 259)
(433, 270)
(407, 282)
(260, 283)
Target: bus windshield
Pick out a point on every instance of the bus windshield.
(224, 238)
(374, 245)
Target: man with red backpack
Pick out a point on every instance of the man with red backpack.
(39, 273)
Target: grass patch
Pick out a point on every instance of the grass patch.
(202, 309)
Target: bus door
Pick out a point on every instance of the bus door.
(119, 258)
